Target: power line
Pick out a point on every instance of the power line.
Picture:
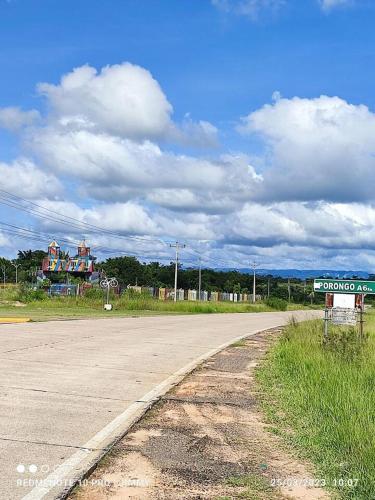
(81, 225)
(64, 219)
(18, 203)
(30, 234)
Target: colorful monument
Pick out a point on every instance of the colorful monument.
(81, 264)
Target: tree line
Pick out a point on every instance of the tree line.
(130, 271)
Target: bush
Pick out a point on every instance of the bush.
(93, 293)
(276, 303)
(345, 342)
(29, 295)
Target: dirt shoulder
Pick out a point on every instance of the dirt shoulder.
(206, 439)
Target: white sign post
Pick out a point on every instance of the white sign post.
(107, 284)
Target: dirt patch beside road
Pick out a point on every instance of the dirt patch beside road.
(206, 439)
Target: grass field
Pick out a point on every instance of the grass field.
(15, 302)
(81, 307)
(321, 399)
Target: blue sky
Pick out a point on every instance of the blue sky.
(278, 163)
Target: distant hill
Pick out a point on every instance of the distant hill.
(301, 273)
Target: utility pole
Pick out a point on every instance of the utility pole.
(16, 267)
(289, 288)
(177, 246)
(200, 279)
(254, 265)
(268, 288)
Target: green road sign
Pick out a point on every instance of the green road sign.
(344, 286)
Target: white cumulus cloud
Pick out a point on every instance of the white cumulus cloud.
(23, 178)
(121, 169)
(106, 139)
(13, 118)
(316, 149)
(123, 100)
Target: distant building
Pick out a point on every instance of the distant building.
(81, 264)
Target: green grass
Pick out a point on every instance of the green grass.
(255, 486)
(13, 303)
(73, 308)
(239, 343)
(322, 400)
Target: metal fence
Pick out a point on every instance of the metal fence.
(62, 289)
(192, 295)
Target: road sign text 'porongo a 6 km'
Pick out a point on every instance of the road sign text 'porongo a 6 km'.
(344, 286)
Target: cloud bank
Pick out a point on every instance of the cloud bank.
(109, 153)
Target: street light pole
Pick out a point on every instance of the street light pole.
(200, 279)
(16, 266)
(177, 246)
(254, 265)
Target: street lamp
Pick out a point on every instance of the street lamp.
(254, 265)
(16, 267)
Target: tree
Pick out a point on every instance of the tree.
(127, 270)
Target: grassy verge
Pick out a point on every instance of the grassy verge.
(322, 400)
(70, 308)
(13, 303)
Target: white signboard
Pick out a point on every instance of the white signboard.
(345, 300)
(344, 316)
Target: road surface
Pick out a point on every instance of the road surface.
(69, 388)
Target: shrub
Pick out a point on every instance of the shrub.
(345, 342)
(276, 303)
(29, 295)
(93, 293)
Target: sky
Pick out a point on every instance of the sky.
(244, 129)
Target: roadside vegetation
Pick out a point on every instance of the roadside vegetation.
(24, 302)
(130, 271)
(321, 399)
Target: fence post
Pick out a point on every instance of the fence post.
(326, 323)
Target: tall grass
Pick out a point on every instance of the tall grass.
(38, 308)
(145, 303)
(38, 305)
(148, 303)
(9, 293)
(322, 399)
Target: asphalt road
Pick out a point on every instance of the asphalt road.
(68, 388)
